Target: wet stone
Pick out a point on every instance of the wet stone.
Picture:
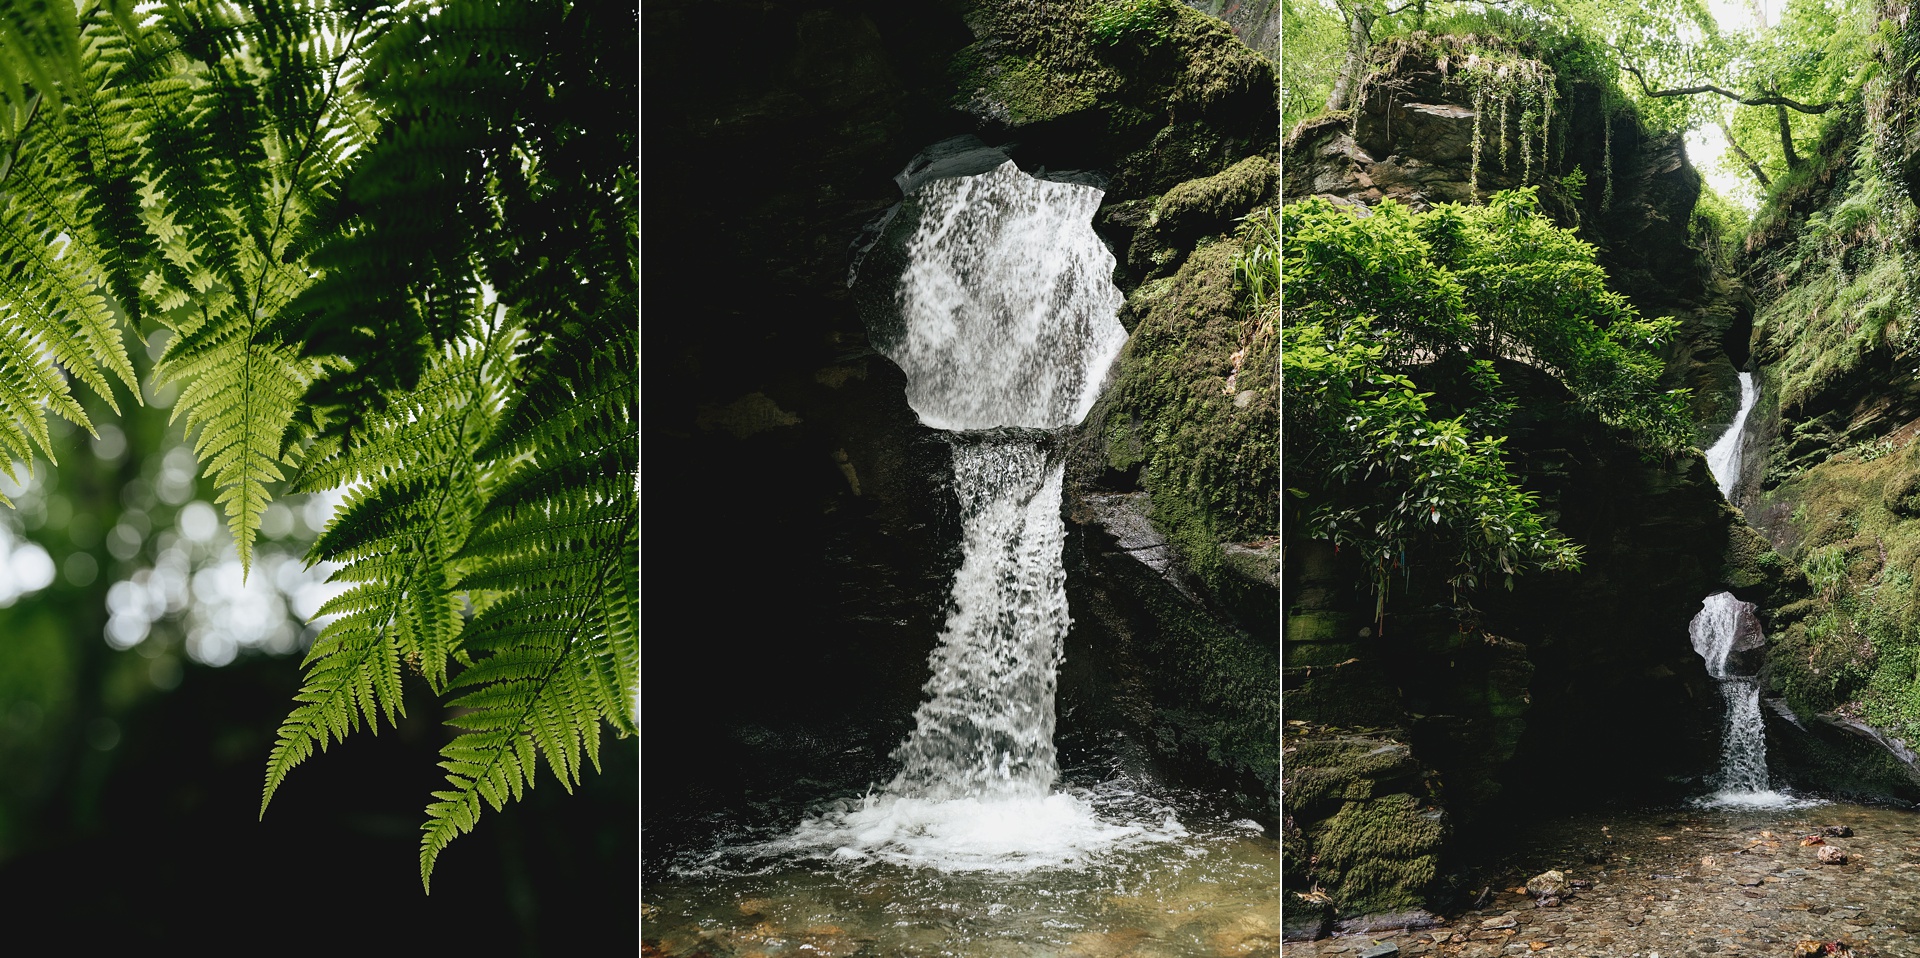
(1756, 904)
(1386, 949)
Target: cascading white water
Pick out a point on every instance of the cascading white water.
(1723, 460)
(1008, 323)
(987, 729)
(1743, 744)
(1010, 314)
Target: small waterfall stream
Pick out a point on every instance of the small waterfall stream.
(1723, 460)
(1005, 321)
(1743, 744)
(1727, 635)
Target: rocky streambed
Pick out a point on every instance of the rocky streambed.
(1729, 883)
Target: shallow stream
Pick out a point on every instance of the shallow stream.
(1725, 882)
(1199, 883)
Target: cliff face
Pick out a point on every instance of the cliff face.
(783, 461)
(1461, 698)
(1832, 464)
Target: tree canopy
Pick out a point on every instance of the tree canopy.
(1769, 85)
(391, 247)
(1379, 303)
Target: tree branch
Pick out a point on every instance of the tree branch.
(1770, 99)
(1745, 157)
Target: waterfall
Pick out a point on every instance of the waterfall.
(1004, 318)
(1723, 460)
(1743, 743)
(1726, 633)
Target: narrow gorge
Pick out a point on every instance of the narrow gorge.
(1599, 632)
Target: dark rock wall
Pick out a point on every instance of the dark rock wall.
(800, 532)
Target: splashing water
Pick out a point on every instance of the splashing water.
(987, 729)
(1723, 460)
(1010, 314)
(1007, 326)
(1742, 780)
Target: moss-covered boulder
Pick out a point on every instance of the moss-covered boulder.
(1384, 852)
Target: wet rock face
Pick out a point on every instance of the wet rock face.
(1149, 656)
(778, 441)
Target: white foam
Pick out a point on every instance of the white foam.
(1732, 798)
(1015, 834)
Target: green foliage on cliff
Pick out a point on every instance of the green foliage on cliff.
(1378, 301)
(1195, 403)
(1676, 64)
(391, 245)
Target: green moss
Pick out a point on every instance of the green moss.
(1031, 92)
(1901, 494)
(1199, 207)
(1748, 558)
(1828, 323)
(1327, 769)
(1853, 644)
(1223, 690)
(1197, 379)
(1138, 64)
(1379, 854)
(1318, 626)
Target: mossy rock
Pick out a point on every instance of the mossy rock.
(1380, 853)
(1334, 768)
(1195, 391)
(1750, 561)
(1901, 494)
(1200, 207)
(1173, 96)
(1317, 626)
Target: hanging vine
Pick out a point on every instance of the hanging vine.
(1606, 159)
(1512, 95)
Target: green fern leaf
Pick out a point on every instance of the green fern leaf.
(397, 534)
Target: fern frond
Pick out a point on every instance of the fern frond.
(398, 535)
(237, 400)
(542, 684)
(557, 654)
